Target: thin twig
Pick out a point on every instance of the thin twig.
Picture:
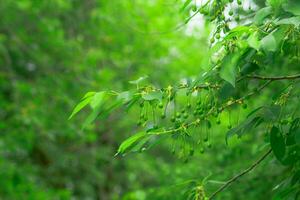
(240, 174)
(296, 76)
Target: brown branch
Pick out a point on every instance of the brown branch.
(296, 76)
(240, 174)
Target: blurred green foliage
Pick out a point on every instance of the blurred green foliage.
(53, 52)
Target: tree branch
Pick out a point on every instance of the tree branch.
(296, 76)
(240, 174)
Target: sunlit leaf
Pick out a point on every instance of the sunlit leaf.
(131, 142)
(80, 106)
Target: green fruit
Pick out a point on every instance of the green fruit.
(188, 105)
(173, 119)
(160, 105)
(202, 150)
(223, 17)
(185, 116)
(218, 36)
(237, 18)
(230, 1)
(218, 121)
(178, 115)
(205, 139)
(209, 145)
(191, 152)
(245, 106)
(194, 8)
(212, 40)
(230, 13)
(239, 2)
(183, 110)
(195, 113)
(163, 116)
(173, 151)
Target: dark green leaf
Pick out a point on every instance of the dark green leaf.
(277, 143)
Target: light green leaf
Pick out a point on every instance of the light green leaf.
(237, 31)
(125, 97)
(268, 43)
(262, 14)
(139, 80)
(229, 68)
(292, 6)
(186, 3)
(97, 99)
(153, 95)
(277, 143)
(272, 41)
(80, 106)
(290, 21)
(88, 94)
(130, 142)
(253, 41)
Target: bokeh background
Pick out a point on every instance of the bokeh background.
(53, 52)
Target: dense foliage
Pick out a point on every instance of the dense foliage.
(207, 90)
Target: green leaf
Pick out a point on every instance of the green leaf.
(237, 31)
(125, 97)
(130, 142)
(244, 127)
(270, 113)
(80, 106)
(268, 43)
(186, 3)
(97, 105)
(88, 94)
(139, 80)
(97, 99)
(249, 68)
(277, 143)
(153, 95)
(262, 14)
(292, 6)
(253, 41)
(229, 68)
(272, 41)
(290, 21)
